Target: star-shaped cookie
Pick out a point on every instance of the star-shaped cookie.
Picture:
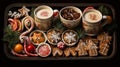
(24, 11)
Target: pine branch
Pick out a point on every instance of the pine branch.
(81, 33)
(58, 25)
(104, 10)
(11, 37)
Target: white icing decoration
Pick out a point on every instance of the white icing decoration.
(82, 44)
(9, 13)
(70, 37)
(92, 45)
(14, 14)
(18, 15)
(55, 36)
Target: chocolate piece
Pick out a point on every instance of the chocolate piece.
(70, 14)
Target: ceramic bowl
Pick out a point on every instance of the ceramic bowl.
(70, 37)
(70, 23)
(43, 49)
(37, 37)
(54, 36)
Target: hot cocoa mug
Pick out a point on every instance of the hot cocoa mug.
(43, 16)
(91, 21)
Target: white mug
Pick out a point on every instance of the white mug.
(91, 21)
(43, 16)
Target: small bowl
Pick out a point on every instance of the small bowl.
(43, 49)
(37, 37)
(70, 23)
(70, 34)
(54, 35)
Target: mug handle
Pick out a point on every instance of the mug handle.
(108, 20)
(88, 8)
(55, 14)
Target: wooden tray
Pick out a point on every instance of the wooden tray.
(59, 6)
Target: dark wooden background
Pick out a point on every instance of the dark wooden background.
(5, 61)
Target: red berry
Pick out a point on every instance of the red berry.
(61, 45)
(55, 14)
(30, 48)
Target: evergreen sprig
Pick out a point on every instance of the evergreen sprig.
(10, 37)
(107, 11)
(81, 33)
(57, 24)
(104, 10)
